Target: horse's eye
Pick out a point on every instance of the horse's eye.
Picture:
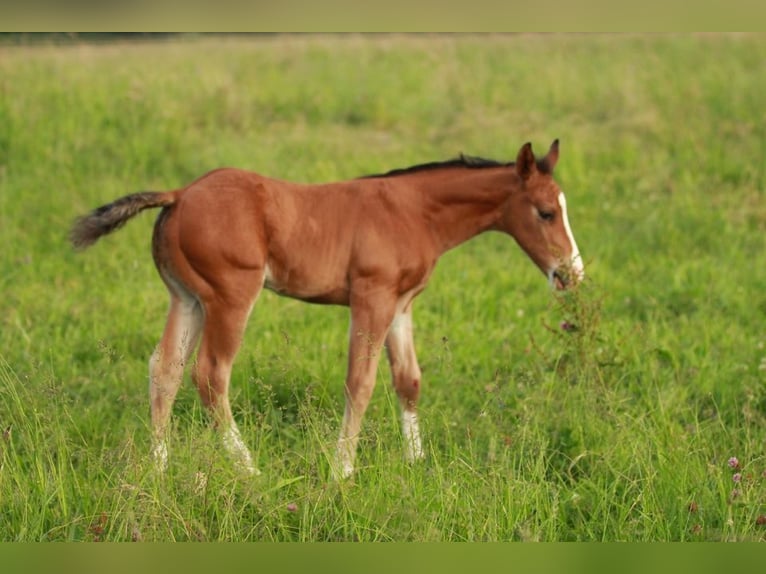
(546, 215)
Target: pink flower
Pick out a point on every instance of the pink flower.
(567, 326)
(737, 477)
(733, 462)
(292, 507)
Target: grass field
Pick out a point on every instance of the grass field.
(622, 430)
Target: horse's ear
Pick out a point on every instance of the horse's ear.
(549, 161)
(525, 161)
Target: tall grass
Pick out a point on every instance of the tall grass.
(607, 413)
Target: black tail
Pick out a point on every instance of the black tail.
(107, 218)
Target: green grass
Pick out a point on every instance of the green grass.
(620, 430)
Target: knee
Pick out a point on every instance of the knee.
(407, 385)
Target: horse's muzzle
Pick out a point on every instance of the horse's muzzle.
(565, 276)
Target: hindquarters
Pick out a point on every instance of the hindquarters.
(214, 232)
(208, 251)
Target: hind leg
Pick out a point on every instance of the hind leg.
(225, 321)
(166, 366)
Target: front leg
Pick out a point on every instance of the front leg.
(371, 316)
(406, 378)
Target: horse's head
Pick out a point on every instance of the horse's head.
(537, 218)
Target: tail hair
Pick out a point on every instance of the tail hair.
(110, 217)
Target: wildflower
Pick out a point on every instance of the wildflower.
(693, 507)
(737, 477)
(567, 326)
(292, 507)
(733, 462)
(98, 527)
(761, 520)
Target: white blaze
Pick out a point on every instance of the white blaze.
(576, 261)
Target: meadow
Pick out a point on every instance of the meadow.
(647, 423)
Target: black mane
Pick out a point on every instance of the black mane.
(461, 161)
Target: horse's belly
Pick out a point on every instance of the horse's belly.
(317, 286)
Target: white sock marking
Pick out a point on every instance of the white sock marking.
(233, 442)
(345, 452)
(343, 465)
(160, 455)
(411, 431)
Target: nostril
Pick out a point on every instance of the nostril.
(557, 280)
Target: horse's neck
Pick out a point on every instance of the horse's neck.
(464, 203)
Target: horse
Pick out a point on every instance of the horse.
(369, 243)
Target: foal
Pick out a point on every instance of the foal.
(368, 243)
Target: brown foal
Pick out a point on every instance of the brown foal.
(369, 243)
